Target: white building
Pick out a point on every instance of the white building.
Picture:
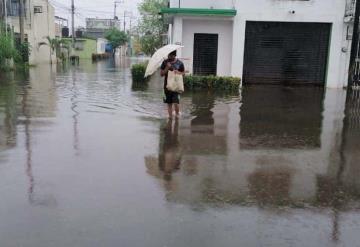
(39, 23)
(96, 27)
(265, 41)
(101, 45)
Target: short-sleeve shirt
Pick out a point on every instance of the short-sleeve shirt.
(177, 65)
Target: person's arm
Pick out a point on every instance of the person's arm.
(165, 67)
(181, 70)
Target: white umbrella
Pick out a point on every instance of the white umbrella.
(159, 56)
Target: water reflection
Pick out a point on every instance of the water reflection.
(295, 151)
(8, 116)
(280, 162)
(75, 117)
(170, 155)
(28, 101)
(281, 117)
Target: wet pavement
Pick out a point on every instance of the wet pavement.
(89, 159)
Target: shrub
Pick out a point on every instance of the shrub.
(7, 51)
(216, 83)
(24, 50)
(138, 72)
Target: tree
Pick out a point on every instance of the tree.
(116, 38)
(55, 45)
(152, 26)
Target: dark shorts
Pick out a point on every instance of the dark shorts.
(171, 97)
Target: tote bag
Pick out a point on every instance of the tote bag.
(175, 82)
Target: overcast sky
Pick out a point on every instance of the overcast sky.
(93, 8)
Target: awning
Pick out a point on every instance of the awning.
(199, 12)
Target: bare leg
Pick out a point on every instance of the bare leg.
(170, 110)
(177, 109)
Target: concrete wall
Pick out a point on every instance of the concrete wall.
(43, 25)
(318, 11)
(37, 27)
(212, 26)
(89, 48)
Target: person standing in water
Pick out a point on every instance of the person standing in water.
(172, 99)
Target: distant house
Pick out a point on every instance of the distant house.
(265, 41)
(61, 27)
(96, 28)
(101, 45)
(85, 48)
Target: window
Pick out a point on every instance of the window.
(38, 9)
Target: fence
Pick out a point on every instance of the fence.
(353, 110)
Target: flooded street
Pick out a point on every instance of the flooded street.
(88, 159)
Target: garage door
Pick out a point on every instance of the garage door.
(286, 53)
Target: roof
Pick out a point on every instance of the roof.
(199, 11)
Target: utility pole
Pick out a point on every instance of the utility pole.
(21, 21)
(2, 15)
(115, 6)
(114, 10)
(355, 41)
(5, 12)
(2, 10)
(131, 18)
(73, 22)
(124, 21)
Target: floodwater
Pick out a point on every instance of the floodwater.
(88, 159)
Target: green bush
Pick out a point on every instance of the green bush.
(24, 50)
(7, 51)
(138, 72)
(12, 50)
(215, 83)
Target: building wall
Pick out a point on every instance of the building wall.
(101, 45)
(37, 28)
(223, 28)
(329, 11)
(317, 11)
(43, 25)
(89, 48)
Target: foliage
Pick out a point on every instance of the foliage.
(150, 43)
(212, 83)
(7, 51)
(138, 72)
(136, 45)
(24, 50)
(152, 25)
(116, 38)
(55, 45)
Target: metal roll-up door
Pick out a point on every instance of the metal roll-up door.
(286, 53)
(205, 54)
